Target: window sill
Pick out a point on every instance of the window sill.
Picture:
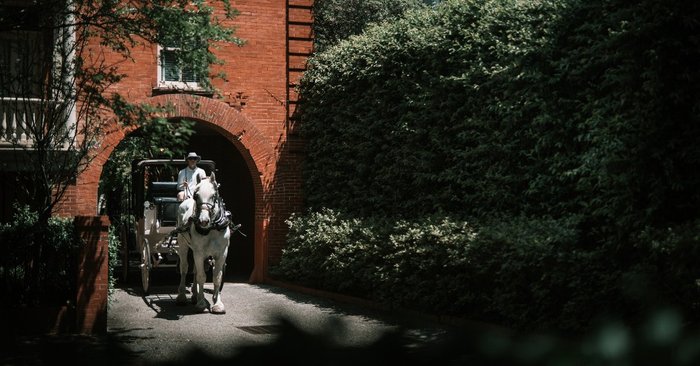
(181, 88)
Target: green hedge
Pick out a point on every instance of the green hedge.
(420, 106)
(543, 107)
(335, 20)
(576, 120)
(526, 273)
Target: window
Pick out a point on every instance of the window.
(20, 64)
(36, 74)
(23, 56)
(182, 53)
(171, 74)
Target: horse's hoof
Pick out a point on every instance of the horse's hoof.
(201, 306)
(200, 309)
(181, 300)
(218, 309)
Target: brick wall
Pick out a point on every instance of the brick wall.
(93, 285)
(255, 113)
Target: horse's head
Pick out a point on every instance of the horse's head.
(206, 196)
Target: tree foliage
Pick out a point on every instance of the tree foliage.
(336, 20)
(55, 269)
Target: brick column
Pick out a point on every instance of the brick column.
(93, 275)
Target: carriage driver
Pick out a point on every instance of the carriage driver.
(186, 181)
(187, 178)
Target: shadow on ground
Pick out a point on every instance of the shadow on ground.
(291, 346)
(662, 340)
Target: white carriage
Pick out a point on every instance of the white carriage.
(155, 206)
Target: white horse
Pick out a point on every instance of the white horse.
(208, 236)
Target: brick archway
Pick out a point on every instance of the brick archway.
(251, 144)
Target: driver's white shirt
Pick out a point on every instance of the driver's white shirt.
(189, 175)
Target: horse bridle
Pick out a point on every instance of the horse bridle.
(207, 206)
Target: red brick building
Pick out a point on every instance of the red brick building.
(249, 132)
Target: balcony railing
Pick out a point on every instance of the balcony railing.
(19, 115)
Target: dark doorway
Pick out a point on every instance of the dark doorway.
(237, 191)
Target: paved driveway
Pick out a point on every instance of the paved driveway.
(262, 323)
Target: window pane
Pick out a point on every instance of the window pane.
(169, 69)
(188, 75)
(6, 71)
(21, 61)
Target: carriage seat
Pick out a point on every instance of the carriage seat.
(163, 189)
(163, 195)
(167, 211)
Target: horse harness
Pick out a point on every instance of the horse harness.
(220, 222)
(221, 218)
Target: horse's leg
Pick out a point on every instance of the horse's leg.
(182, 251)
(193, 298)
(217, 276)
(184, 212)
(200, 278)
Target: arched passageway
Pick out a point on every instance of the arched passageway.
(241, 153)
(236, 188)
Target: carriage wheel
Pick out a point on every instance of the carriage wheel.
(145, 266)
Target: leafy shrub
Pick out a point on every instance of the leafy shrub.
(527, 273)
(53, 262)
(114, 251)
(524, 272)
(336, 246)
